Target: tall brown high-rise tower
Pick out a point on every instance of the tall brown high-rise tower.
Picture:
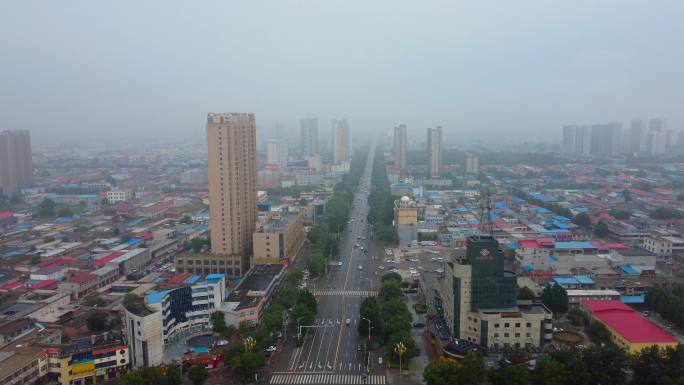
(16, 165)
(231, 139)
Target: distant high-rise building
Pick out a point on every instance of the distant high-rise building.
(276, 153)
(637, 133)
(656, 137)
(309, 136)
(471, 163)
(582, 140)
(400, 148)
(231, 145)
(341, 141)
(16, 165)
(434, 147)
(569, 139)
(606, 139)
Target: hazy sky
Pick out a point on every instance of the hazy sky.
(481, 69)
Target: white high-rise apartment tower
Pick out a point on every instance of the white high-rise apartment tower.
(434, 147)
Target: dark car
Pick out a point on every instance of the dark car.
(358, 348)
(418, 325)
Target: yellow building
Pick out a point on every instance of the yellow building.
(278, 239)
(405, 212)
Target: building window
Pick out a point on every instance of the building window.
(529, 324)
(517, 324)
(517, 335)
(507, 325)
(506, 335)
(496, 326)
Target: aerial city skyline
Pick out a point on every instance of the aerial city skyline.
(342, 193)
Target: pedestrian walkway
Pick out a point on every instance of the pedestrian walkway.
(332, 379)
(346, 293)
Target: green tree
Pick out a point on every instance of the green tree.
(35, 259)
(390, 289)
(555, 297)
(198, 374)
(549, 372)
(288, 296)
(525, 294)
(369, 309)
(390, 276)
(441, 373)
(293, 277)
(273, 317)
(627, 195)
(582, 219)
(186, 220)
(472, 370)
(305, 297)
(601, 229)
(412, 349)
(598, 333)
(577, 317)
(218, 322)
(316, 265)
(46, 209)
(246, 364)
(302, 313)
(97, 322)
(513, 374)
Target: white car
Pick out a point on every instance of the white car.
(381, 267)
(415, 260)
(360, 267)
(271, 349)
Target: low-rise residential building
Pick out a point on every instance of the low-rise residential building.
(249, 299)
(118, 196)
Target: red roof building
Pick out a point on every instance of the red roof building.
(630, 329)
(103, 261)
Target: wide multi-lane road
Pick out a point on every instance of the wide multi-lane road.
(333, 350)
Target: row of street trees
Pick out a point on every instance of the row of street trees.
(668, 301)
(601, 364)
(390, 320)
(325, 236)
(381, 213)
(172, 375)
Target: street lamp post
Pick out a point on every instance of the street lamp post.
(371, 283)
(400, 349)
(299, 328)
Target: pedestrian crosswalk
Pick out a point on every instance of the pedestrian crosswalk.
(346, 293)
(331, 379)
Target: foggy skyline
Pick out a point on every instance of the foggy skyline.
(486, 70)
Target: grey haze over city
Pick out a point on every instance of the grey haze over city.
(81, 71)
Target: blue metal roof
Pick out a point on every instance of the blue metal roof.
(565, 280)
(156, 296)
(135, 241)
(633, 299)
(501, 206)
(192, 279)
(573, 245)
(629, 270)
(528, 268)
(584, 280)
